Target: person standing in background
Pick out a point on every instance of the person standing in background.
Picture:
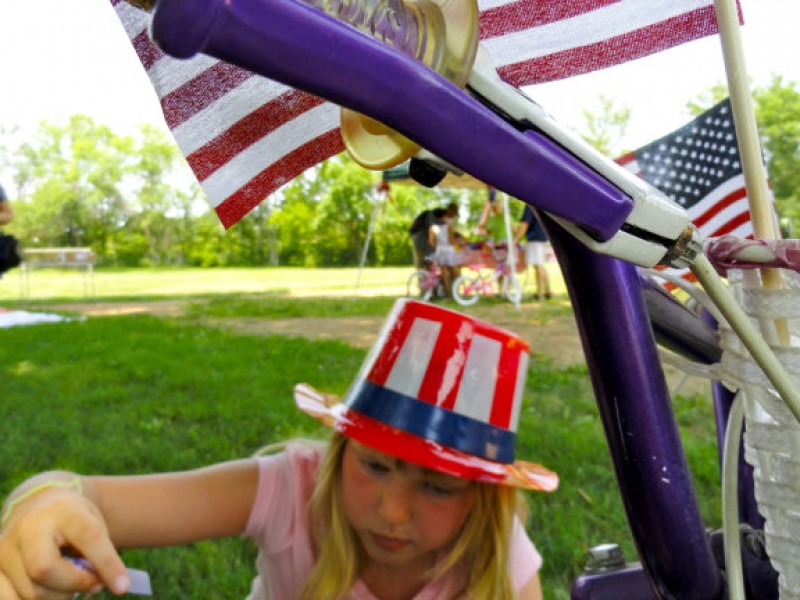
(535, 248)
(492, 221)
(6, 214)
(10, 253)
(420, 244)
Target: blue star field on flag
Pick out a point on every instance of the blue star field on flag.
(694, 160)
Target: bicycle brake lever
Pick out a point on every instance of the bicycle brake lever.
(656, 231)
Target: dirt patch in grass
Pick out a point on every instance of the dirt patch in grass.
(557, 339)
(554, 338)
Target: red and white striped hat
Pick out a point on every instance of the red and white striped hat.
(439, 389)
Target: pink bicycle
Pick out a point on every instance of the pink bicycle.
(426, 284)
(467, 289)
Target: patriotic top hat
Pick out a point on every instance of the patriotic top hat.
(439, 389)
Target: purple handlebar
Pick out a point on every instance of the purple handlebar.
(305, 48)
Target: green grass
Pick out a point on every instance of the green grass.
(72, 284)
(280, 307)
(60, 284)
(138, 394)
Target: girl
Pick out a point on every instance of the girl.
(413, 498)
(442, 237)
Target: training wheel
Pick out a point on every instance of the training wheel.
(450, 47)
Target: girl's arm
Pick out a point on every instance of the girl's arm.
(522, 229)
(484, 215)
(92, 516)
(531, 590)
(176, 508)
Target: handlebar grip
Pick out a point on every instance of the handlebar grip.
(307, 49)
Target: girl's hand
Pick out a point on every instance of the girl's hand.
(40, 530)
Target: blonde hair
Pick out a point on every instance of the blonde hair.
(482, 546)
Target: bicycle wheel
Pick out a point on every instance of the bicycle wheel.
(466, 290)
(512, 288)
(418, 287)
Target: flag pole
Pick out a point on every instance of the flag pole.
(744, 119)
(755, 178)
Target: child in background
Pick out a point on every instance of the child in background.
(442, 237)
(414, 497)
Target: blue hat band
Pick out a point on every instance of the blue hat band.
(432, 422)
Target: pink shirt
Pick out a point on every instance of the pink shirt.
(279, 526)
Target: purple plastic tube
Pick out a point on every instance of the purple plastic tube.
(634, 405)
(305, 48)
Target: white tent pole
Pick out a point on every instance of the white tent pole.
(744, 119)
(511, 254)
(366, 242)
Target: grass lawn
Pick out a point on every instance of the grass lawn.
(132, 394)
(60, 284)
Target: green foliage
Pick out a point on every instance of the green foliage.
(325, 215)
(777, 111)
(778, 116)
(607, 127)
(82, 185)
(73, 174)
(714, 95)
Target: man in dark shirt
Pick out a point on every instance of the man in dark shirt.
(6, 214)
(535, 248)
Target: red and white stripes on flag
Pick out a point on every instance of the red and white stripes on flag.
(245, 136)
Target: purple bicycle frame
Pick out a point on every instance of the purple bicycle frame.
(302, 47)
(640, 428)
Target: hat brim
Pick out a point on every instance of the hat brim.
(329, 410)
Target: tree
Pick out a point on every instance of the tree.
(71, 175)
(606, 128)
(777, 111)
(778, 117)
(292, 216)
(82, 185)
(343, 212)
(162, 210)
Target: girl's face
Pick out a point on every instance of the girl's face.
(402, 514)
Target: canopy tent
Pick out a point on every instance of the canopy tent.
(401, 174)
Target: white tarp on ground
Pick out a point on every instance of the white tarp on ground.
(14, 318)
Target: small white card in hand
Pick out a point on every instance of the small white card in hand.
(140, 580)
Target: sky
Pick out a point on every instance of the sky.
(65, 57)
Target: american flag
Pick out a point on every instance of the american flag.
(245, 136)
(698, 167)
